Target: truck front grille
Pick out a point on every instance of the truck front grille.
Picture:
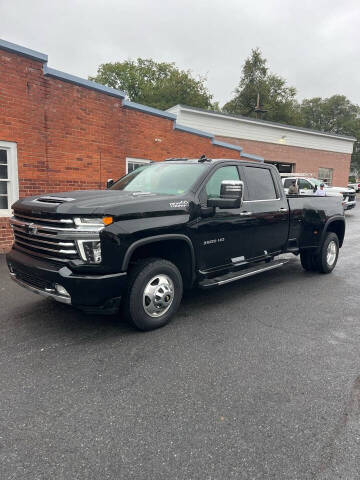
(54, 237)
(349, 197)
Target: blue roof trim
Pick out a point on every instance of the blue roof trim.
(182, 128)
(25, 52)
(226, 145)
(51, 72)
(149, 110)
(252, 157)
(66, 77)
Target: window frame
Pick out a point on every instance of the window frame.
(202, 194)
(275, 184)
(138, 161)
(328, 177)
(304, 180)
(214, 173)
(12, 180)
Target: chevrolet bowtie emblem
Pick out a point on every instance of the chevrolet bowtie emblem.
(31, 229)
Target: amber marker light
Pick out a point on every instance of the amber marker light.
(107, 220)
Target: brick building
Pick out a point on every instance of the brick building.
(59, 132)
(291, 149)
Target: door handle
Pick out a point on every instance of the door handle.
(282, 209)
(245, 214)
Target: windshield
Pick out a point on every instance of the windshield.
(161, 178)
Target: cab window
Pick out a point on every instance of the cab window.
(304, 184)
(259, 184)
(214, 184)
(288, 182)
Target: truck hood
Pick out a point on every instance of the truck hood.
(102, 202)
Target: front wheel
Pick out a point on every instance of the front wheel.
(155, 292)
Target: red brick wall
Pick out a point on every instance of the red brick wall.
(70, 137)
(306, 160)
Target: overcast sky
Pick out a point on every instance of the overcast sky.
(315, 44)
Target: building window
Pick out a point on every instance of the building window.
(9, 186)
(326, 175)
(134, 163)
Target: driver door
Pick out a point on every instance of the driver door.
(223, 238)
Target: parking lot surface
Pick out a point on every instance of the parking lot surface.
(256, 380)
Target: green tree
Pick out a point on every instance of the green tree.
(156, 84)
(335, 114)
(276, 97)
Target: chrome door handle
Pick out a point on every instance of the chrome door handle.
(282, 209)
(245, 214)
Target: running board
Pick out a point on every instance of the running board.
(233, 276)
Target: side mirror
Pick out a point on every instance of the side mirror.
(109, 182)
(315, 188)
(231, 195)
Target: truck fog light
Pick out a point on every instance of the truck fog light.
(61, 290)
(90, 250)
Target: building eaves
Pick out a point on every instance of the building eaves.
(82, 82)
(25, 52)
(265, 122)
(66, 77)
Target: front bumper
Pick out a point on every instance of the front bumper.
(349, 205)
(92, 293)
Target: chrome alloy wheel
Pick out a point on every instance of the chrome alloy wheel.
(158, 295)
(331, 253)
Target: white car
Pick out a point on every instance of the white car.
(309, 185)
(355, 186)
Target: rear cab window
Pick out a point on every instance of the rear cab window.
(259, 184)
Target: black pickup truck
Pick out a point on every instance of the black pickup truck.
(165, 227)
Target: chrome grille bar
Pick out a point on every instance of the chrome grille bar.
(69, 252)
(50, 220)
(60, 244)
(41, 255)
(56, 239)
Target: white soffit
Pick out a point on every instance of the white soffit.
(242, 128)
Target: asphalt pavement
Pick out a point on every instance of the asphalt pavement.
(255, 380)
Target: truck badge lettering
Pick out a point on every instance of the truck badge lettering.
(214, 240)
(180, 204)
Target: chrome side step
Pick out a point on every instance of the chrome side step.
(233, 276)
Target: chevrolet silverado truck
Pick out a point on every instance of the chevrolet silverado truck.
(164, 227)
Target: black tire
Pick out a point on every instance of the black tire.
(308, 261)
(322, 260)
(136, 301)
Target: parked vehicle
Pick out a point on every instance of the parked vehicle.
(165, 227)
(309, 185)
(355, 186)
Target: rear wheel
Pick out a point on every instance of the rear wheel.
(325, 260)
(154, 294)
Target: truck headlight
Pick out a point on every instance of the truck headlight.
(85, 222)
(90, 250)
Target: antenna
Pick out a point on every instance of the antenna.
(259, 109)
